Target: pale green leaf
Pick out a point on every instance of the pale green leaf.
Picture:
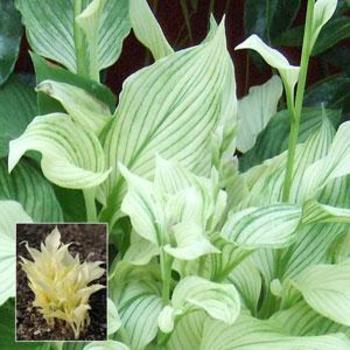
(84, 108)
(326, 288)
(323, 11)
(249, 333)
(114, 321)
(335, 164)
(139, 307)
(71, 157)
(270, 226)
(169, 108)
(220, 301)
(289, 73)
(255, 110)
(107, 345)
(315, 212)
(11, 213)
(143, 205)
(147, 30)
(191, 242)
(50, 30)
(140, 251)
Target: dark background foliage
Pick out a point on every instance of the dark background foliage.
(279, 22)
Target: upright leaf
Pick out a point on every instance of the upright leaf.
(147, 29)
(50, 22)
(170, 108)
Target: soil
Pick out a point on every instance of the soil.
(89, 241)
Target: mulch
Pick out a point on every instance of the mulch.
(89, 241)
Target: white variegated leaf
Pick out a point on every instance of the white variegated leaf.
(255, 110)
(326, 288)
(289, 73)
(107, 345)
(71, 157)
(271, 226)
(170, 108)
(84, 108)
(147, 30)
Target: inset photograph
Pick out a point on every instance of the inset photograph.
(61, 289)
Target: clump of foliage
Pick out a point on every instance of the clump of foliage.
(214, 251)
(61, 283)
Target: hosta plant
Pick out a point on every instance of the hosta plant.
(61, 283)
(214, 247)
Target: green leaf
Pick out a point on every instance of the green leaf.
(333, 32)
(27, 186)
(84, 108)
(274, 139)
(7, 330)
(10, 37)
(140, 251)
(326, 288)
(44, 26)
(288, 72)
(169, 108)
(47, 71)
(272, 226)
(255, 111)
(17, 109)
(269, 18)
(71, 157)
(11, 213)
(333, 92)
(220, 301)
(147, 30)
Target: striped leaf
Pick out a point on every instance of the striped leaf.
(255, 111)
(139, 307)
(114, 321)
(249, 333)
(220, 301)
(71, 157)
(289, 73)
(315, 212)
(27, 186)
(49, 22)
(169, 108)
(11, 213)
(17, 109)
(147, 30)
(335, 164)
(107, 345)
(84, 108)
(272, 226)
(326, 288)
(301, 320)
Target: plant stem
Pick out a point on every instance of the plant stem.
(91, 213)
(165, 268)
(295, 112)
(79, 41)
